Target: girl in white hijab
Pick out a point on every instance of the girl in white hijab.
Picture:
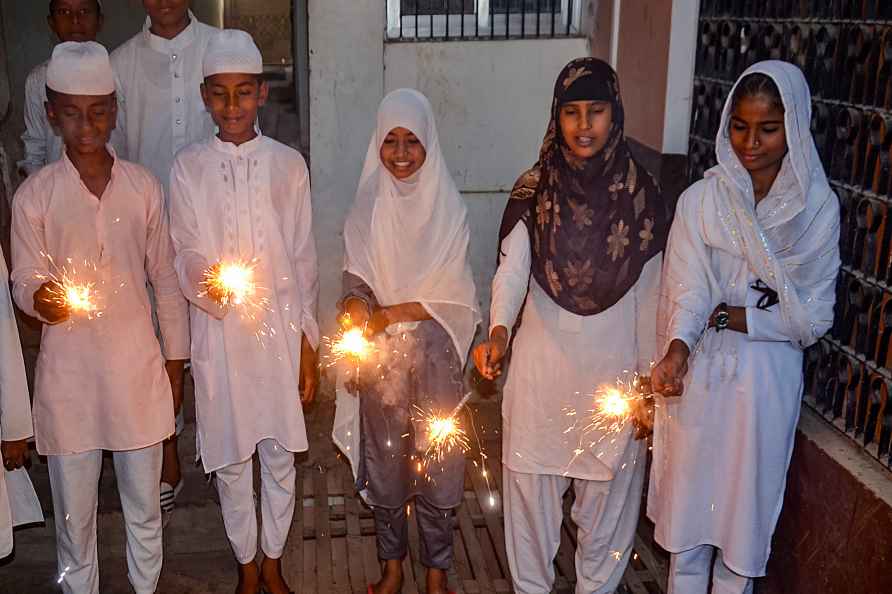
(748, 283)
(408, 282)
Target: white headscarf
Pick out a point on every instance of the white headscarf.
(793, 243)
(408, 240)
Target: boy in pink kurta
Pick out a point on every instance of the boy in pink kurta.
(101, 382)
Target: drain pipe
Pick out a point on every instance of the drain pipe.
(614, 33)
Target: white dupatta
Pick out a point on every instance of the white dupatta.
(792, 242)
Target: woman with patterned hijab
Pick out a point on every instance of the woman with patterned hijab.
(581, 244)
(749, 283)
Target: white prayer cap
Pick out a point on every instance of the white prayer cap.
(80, 69)
(232, 51)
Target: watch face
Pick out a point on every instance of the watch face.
(721, 319)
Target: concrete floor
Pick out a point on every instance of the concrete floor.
(197, 557)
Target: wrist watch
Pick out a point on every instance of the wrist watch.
(721, 317)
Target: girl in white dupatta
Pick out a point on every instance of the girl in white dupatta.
(748, 283)
(408, 281)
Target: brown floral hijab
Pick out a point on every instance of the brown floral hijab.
(593, 223)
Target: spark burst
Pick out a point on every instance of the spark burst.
(614, 407)
(351, 344)
(70, 290)
(231, 282)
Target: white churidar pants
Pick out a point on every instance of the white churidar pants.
(606, 516)
(235, 484)
(74, 479)
(689, 573)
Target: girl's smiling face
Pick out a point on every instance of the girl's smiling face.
(585, 126)
(402, 153)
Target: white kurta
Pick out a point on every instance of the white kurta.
(160, 109)
(100, 383)
(248, 202)
(18, 501)
(42, 144)
(558, 361)
(740, 406)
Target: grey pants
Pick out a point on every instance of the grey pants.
(423, 374)
(435, 528)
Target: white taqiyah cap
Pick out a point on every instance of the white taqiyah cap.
(232, 51)
(80, 69)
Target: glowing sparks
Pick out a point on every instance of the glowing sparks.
(71, 289)
(231, 282)
(612, 409)
(352, 344)
(442, 436)
(79, 298)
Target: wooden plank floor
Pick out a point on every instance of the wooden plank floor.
(337, 553)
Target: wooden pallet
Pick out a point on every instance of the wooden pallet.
(336, 553)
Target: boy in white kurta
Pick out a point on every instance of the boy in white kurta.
(754, 255)
(158, 76)
(18, 501)
(239, 196)
(160, 111)
(69, 20)
(101, 382)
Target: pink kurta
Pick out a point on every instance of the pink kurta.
(100, 382)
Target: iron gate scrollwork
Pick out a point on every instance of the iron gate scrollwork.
(845, 50)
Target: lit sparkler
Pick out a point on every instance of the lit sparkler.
(231, 282)
(614, 407)
(70, 290)
(352, 344)
(443, 434)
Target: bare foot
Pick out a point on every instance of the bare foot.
(248, 579)
(271, 577)
(436, 581)
(391, 581)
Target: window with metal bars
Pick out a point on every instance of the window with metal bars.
(420, 20)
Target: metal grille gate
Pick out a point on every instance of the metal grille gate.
(845, 50)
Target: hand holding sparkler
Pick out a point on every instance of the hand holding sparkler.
(357, 313)
(643, 408)
(667, 377)
(488, 355)
(49, 302)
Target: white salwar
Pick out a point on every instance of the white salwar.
(42, 144)
(249, 202)
(558, 360)
(160, 109)
(722, 450)
(426, 213)
(18, 501)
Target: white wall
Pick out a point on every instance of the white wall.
(346, 85)
(491, 99)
